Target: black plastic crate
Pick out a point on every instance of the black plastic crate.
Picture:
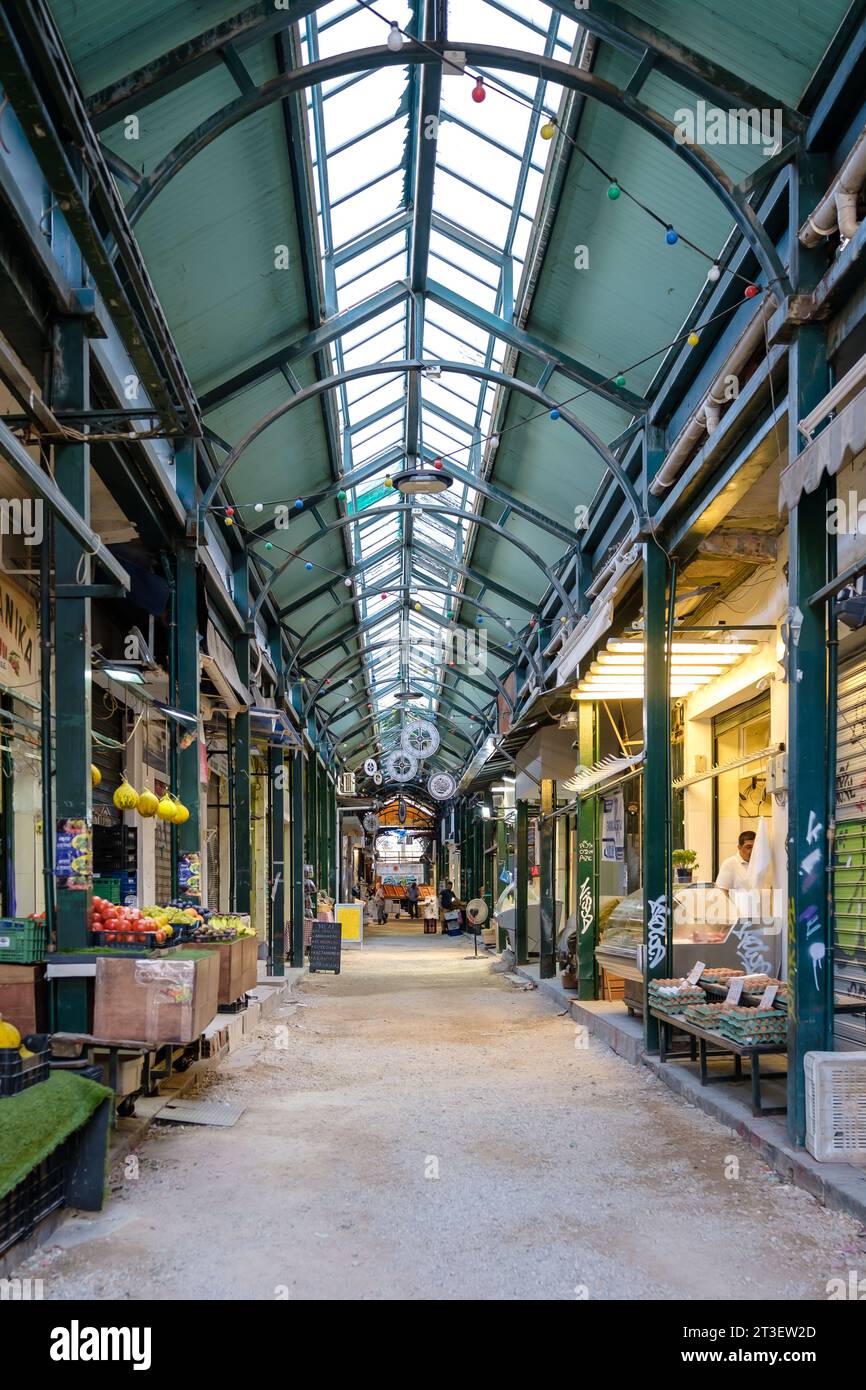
(42, 1192)
(17, 1072)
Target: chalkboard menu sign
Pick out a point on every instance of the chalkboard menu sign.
(325, 947)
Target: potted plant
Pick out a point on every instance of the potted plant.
(685, 862)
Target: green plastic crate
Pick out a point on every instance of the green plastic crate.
(21, 940)
(107, 888)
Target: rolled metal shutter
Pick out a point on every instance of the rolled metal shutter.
(849, 877)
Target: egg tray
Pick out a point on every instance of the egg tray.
(753, 1025)
(705, 1015)
(718, 975)
(680, 995)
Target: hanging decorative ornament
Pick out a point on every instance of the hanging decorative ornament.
(479, 92)
(395, 37)
(400, 766)
(371, 766)
(125, 797)
(147, 804)
(441, 786)
(421, 738)
(548, 130)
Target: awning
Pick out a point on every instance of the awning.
(588, 779)
(843, 440)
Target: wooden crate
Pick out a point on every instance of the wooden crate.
(24, 997)
(169, 998)
(239, 969)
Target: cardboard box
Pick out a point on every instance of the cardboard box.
(24, 997)
(239, 969)
(168, 997)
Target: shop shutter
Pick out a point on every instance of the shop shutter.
(849, 878)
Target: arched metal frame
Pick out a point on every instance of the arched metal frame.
(436, 588)
(342, 522)
(344, 713)
(375, 646)
(523, 388)
(477, 55)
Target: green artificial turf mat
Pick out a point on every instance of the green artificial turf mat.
(34, 1122)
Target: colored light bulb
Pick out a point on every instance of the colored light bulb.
(395, 38)
(671, 236)
(478, 91)
(614, 192)
(548, 130)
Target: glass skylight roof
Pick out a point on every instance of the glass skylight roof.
(365, 142)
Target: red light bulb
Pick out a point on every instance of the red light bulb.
(478, 91)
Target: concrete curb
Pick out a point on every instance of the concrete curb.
(838, 1186)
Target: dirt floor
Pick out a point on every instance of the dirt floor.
(420, 1128)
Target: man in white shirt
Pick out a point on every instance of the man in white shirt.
(734, 876)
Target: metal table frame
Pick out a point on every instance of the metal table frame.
(722, 1046)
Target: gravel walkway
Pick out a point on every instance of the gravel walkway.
(420, 1128)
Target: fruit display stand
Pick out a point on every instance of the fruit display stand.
(238, 966)
(169, 996)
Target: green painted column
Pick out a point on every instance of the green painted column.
(277, 779)
(333, 838)
(465, 852)
(547, 854)
(586, 861)
(298, 860)
(500, 863)
(189, 837)
(810, 926)
(657, 767)
(311, 781)
(70, 390)
(522, 884)
(243, 784)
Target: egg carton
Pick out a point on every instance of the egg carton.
(718, 975)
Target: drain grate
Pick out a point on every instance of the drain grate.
(222, 1113)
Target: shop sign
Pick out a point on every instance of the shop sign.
(73, 859)
(19, 648)
(613, 829)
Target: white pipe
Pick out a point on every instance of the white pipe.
(839, 204)
(708, 413)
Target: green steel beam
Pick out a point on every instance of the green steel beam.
(586, 861)
(70, 390)
(278, 772)
(298, 860)
(185, 637)
(810, 808)
(242, 763)
(547, 856)
(521, 936)
(657, 767)
(306, 346)
(526, 343)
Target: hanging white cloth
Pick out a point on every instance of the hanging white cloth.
(761, 862)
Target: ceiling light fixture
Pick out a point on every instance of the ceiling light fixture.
(414, 481)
